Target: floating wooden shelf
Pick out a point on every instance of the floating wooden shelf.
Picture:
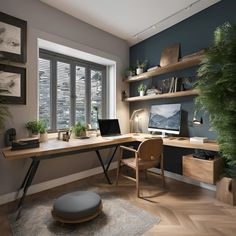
(161, 96)
(185, 63)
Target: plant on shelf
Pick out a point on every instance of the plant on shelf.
(4, 114)
(79, 130)
(129, 72)
(141, 89)
(141, 66)
(217, 88)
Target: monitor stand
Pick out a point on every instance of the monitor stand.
(163, 135)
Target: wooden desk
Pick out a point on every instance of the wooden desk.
(181, 142)
(54, 148)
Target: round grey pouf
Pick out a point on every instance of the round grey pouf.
(77, 207)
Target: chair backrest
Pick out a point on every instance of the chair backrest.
(150, 149)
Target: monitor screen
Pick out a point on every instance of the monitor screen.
(165, 118)
(109, 127)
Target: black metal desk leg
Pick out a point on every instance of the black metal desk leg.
(113, 154)
(103, 167)
(28, 180)
(26, 176)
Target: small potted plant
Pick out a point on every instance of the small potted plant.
(129, 72)
(79, 130)
(33, 127)
(43, 131)
(141, 89)
(140, 67)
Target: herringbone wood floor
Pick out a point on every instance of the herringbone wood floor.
(184, 209)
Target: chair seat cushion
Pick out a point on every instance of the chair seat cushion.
(77, 206)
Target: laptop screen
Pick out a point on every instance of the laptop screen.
(109, 127)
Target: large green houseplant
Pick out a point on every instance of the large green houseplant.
(217, 88)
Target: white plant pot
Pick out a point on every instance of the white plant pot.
(142, 93)
(139, 71)
(43, 137)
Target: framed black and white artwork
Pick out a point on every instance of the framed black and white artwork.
(13, 37)
(12, 84)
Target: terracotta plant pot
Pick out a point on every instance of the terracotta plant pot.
(226, 190)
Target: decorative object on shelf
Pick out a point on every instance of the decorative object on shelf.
(135, 117)
(175, 85)
(188, 83)
(217, 89)
(197, 120)
(170, 55)
(123, 95)
(79, 130)
(140, 67)
(129, 72)
(141, 89)
(12, 84)
(13, 37)
(4, 113)
(153, 91)
(165, 85)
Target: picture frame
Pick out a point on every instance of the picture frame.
(13, 38)
(12, 84)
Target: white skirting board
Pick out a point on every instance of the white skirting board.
(9, 197)
(185, 179)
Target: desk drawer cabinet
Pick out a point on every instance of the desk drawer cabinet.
(207, 171)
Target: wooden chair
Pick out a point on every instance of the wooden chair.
(148, 155)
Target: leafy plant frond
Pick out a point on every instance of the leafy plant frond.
(217, 90)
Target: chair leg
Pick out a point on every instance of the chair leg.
(145, 173)
(118, 172)
(162, 172)
(137, 182)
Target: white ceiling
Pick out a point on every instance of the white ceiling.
(132, 20)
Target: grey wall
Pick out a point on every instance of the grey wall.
(193, 34)
(50, 24)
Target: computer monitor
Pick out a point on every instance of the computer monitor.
(165, 118)
(109, 127)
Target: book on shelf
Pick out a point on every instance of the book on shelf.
(199, 140)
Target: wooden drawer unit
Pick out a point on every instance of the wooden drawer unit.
(207, 171)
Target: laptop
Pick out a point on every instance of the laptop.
(109, 127)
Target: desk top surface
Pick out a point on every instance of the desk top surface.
(54, 146)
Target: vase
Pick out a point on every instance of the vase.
(43, 137)
(142, 93)
(139, 71)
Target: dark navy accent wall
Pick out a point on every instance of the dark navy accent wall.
(193, 34)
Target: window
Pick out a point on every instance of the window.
(70, 90)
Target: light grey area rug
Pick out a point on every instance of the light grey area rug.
(119, 217)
